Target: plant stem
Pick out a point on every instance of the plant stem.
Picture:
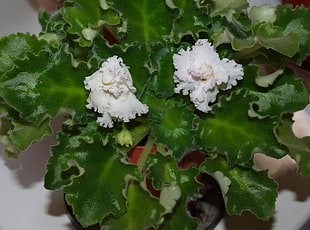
(139, 132)
(145, 153)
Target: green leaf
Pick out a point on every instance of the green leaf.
(191, 18)
(244, 189)
(282, 96)
(54, 27)
(143, 211)
(94, 178)
(16, 134)
(142, 20)
(299, 147)
(228, 7)
(24, 135)
(166, 175)
(45, 85)
(154, 103)
(272, 37)
(296, 21)
(86, 19)
(174, 129)
(17, 46)
(232, 132)
(163, 70)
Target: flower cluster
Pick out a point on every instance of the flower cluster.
(112, 93)
(201, 74)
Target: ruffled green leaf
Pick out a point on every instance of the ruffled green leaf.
(272, 37)
(175, 125)
(137, 216)
(192, 18)
(45, 85)
(177, 188)
(17, 46)
(244, 189)
(162, 66)
(227, 8)
(282, 29)
(17, 134)
(232, 132)
(282, 96)
(299, 147)
(94, 178)
(143, 21)
(86, 19)
(296, 21)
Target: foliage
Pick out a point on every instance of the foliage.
(41, 77)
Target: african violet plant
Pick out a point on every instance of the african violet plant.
(179, 76)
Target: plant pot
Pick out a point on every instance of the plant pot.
(210, 208)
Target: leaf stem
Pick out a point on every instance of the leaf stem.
(145, 153)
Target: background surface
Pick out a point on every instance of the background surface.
(25, 204)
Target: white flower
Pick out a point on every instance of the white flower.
(201, 74)
(112, 93)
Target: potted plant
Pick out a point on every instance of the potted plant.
(184, 79)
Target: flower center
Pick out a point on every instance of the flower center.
(204, 72)
(107, 77)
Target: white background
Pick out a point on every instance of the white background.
(25, 204)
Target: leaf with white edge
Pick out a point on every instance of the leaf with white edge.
(24, 135)
(299, 147)
(143, 211)
(296, 21)
(178, 187)
(281, 97)
(161, 64)
(272, 37)
(93, 186)
(16, 134)
(192, 18)
(232, 132)
(16, 46)
(87, 18)
(248, 189)
(175, 125)
(228, 7)
(143, 21)
(45, 85)
(10, 149)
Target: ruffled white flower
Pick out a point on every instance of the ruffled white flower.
(112, 93)
(202, 74)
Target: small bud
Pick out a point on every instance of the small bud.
(124, 138)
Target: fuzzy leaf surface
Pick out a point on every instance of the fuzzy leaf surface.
(192, 18)
(232, 132)
(281, 97)
(143, 20)
(92, 185)
(86, 19)
(44, 85)
(143, 211)
(164, 173)
(16, 46)
(175, 125)
(247, 190)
